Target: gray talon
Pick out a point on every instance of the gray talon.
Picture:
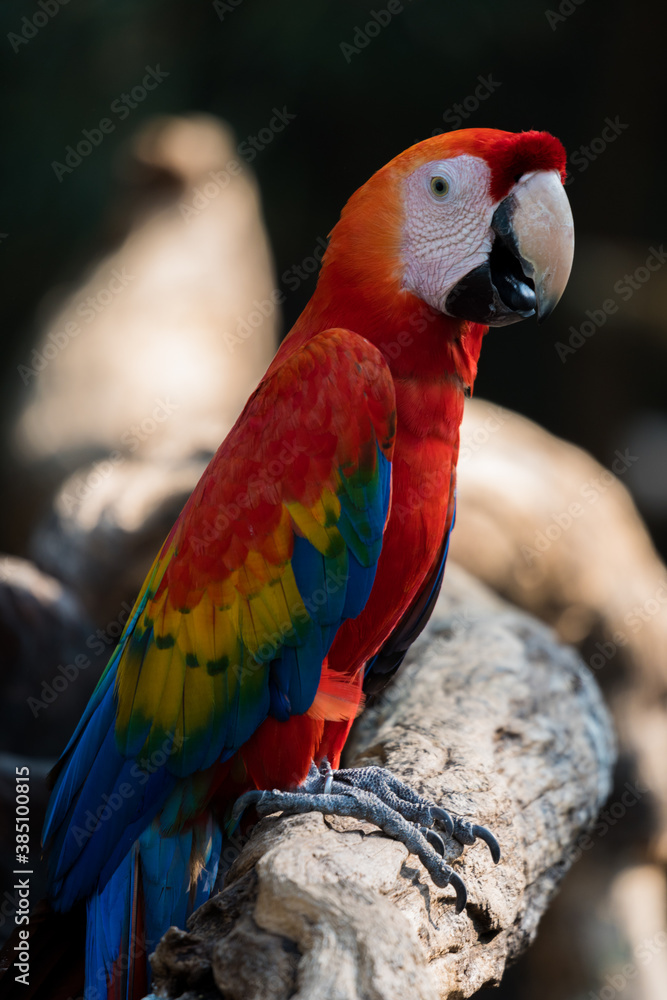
(247, 799)
(463, 832)
(326, 772)
(482, 833)
(468, 833)
(434, 839)
(461, 892)
(444, 818)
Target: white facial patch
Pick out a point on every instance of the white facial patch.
(446, 235)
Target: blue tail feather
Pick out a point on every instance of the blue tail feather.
(160, 882)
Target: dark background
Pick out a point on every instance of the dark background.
(566, 68)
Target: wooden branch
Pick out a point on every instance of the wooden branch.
(492, 718)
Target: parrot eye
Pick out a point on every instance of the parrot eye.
(439, 186)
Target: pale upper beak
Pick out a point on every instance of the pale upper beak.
(530, 260)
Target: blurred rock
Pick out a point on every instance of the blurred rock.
(647, 434)
(155, 353)
(48, 670)
(43, 628)
(106, 526)
(545, 525)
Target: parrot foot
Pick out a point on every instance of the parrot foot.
(377, 796)
(411, 805)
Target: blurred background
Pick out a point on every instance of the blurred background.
(167, 167)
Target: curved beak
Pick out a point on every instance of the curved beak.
(538, 217)
(530, 259)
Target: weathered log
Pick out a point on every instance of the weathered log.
(490, 717)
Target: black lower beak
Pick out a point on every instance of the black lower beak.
(498, 292)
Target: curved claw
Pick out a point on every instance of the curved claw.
(250, 798)
(445, 819)
(461, 892)
(435, 840)
(326, 772)
(482, 833)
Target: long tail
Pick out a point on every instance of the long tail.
(159, 883)
(115, 935)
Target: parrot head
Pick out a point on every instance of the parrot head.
(474, 223)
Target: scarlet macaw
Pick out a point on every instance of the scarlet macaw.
(311, 552)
